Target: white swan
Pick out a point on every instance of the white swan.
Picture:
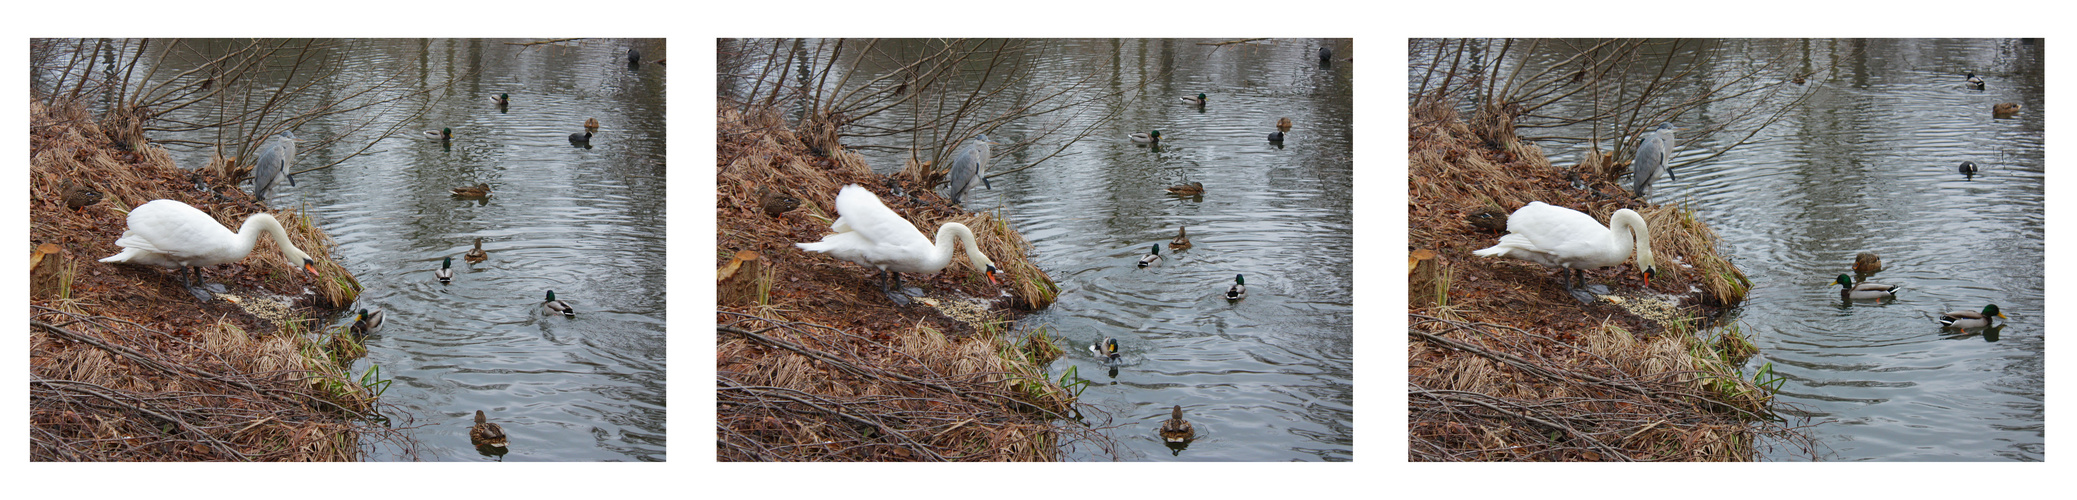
(172, 234)
(870, 234)
(1565, 238)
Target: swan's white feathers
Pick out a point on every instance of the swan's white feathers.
(869, 233)
(1566, 238)
(172, 234)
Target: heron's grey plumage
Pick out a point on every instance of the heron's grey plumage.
(1654, 156)
(969, 167)
(273, 164)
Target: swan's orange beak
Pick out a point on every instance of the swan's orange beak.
(991, 272)
(310, 266)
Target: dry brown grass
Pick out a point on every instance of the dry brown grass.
(127, 366)
(1504, 365)
(821, 366)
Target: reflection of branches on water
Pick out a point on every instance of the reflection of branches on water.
(1601, 77)
(256, 88)
(952, 90)
(789, 391)
(1485, 392)
(104, 389)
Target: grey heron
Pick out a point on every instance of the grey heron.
(969, 167)
(272, 167)
(1654, 155)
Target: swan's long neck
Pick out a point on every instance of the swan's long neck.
(249, 234)
(942, 255)
(1630, 234)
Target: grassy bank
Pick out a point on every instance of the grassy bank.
(1504, 365)
(813, 363)
(126, 365)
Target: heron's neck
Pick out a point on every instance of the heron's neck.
(941, 256)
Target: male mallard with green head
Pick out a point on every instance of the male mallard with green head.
(1175, 429)
(1239, 290)
(502, 99)
(1196, 101)
(1153, 256)
(365, 322)
(553, 306)
(446, 272)
(442, 135)
(1106, 348)
(485, 433)
(1865, 290)
(1968, 319)
(1975, 82)
(1153, 137)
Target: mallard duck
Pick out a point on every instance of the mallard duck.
(446, 272)
(1196, 101)
(1106, 348)
(1866, 263)
(1969, 168)
(477, 254)
(440, 135)
(1283, 124)
(1182, 240)
(1974, 81)
(1969, 319)
(1187, 189)
(591, 124)
(553, 306)
(774, 202)
(366, 322)
(1798, 80)
(584, 138)
(1239, 290)
(502, 99)
(485, 433)
(1488, 218)
(2005, 109)
(480, 190)
(79, 195)
(1147, 137)
(1865, 290)
(1175, 429)
(1151, 258)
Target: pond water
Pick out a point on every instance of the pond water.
(1869, 164)
(1268, 378)
(587, 223)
